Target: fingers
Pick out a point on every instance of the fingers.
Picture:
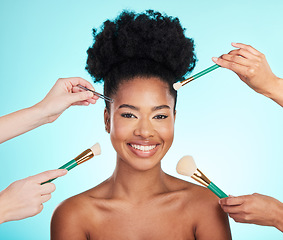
(238, 217)
(40, 208)
(74, 94)
(248, 48)
(47, 175)
(234, 58)
(244, 53)
(232, 209)
(232, 201)
(74, 81)
(237, 68)
(81, 96)
(81, 81)
(45, 198)
(47, 188)
(91, 98)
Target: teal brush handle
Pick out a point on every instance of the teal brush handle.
(205, 71)
(216, 190)
(69, 165)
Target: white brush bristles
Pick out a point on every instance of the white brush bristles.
(186, 166)
(96, 149)
(177, 86)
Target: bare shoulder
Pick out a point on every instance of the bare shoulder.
(72, 217)
(193, 191)
(199, 203)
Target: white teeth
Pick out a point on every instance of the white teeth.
(143, 148)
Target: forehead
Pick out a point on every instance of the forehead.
(144, 91)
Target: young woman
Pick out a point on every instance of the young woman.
(139, 57)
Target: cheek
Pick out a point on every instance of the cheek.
(120, 130)
(166, 131)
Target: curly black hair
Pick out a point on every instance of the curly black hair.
(146, 44)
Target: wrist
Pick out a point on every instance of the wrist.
(3, 209)
(274, 91)
(278, 222)
(40, 114)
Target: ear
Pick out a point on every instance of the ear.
(175, 115)
(107, 120)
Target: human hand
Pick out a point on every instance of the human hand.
(256, 208)
(252, 68)
(24, 198)
(63, 94)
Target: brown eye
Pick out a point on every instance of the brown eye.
(161, 116)
(128, 115)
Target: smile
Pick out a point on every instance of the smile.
(143, 148)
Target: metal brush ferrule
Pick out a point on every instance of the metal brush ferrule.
(84, 156)
(201, 178)
(184, 82)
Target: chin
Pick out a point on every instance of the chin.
(144, 166)
(142, 163)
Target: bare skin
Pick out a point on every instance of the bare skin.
(253, 69)
(24, 198)
(140, 201)
(255, 208)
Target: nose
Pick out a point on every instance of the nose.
(144, 128)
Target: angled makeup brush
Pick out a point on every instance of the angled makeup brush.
(186, 166)
(84, 156)
(178, 85)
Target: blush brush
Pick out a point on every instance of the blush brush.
(187, 166)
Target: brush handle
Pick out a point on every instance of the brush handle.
(205, 71)
(69, 165)
(217, 191)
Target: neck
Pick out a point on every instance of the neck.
(137, 186)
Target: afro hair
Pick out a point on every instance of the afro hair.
(145, 44)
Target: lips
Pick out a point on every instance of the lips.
(143, 150)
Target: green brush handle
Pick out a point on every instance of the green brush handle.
(216, 190)
(69, 165)
(205, 71)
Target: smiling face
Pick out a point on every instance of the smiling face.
(141, 122)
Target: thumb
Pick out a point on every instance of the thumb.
(80, 96)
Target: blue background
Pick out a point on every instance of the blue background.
(233, 133)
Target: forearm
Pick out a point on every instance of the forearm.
(276, 92)
(17, 123)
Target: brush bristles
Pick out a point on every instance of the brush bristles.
(96, 149)
(186, 166)
(177, 86)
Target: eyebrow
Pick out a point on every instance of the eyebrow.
(160, 107)
(129, 106)
(137, 108)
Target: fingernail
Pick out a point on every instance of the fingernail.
(215, 59)
(64, 171)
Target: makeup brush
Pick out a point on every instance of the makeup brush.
(178, 85)
(186, 166)
(84, 156)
